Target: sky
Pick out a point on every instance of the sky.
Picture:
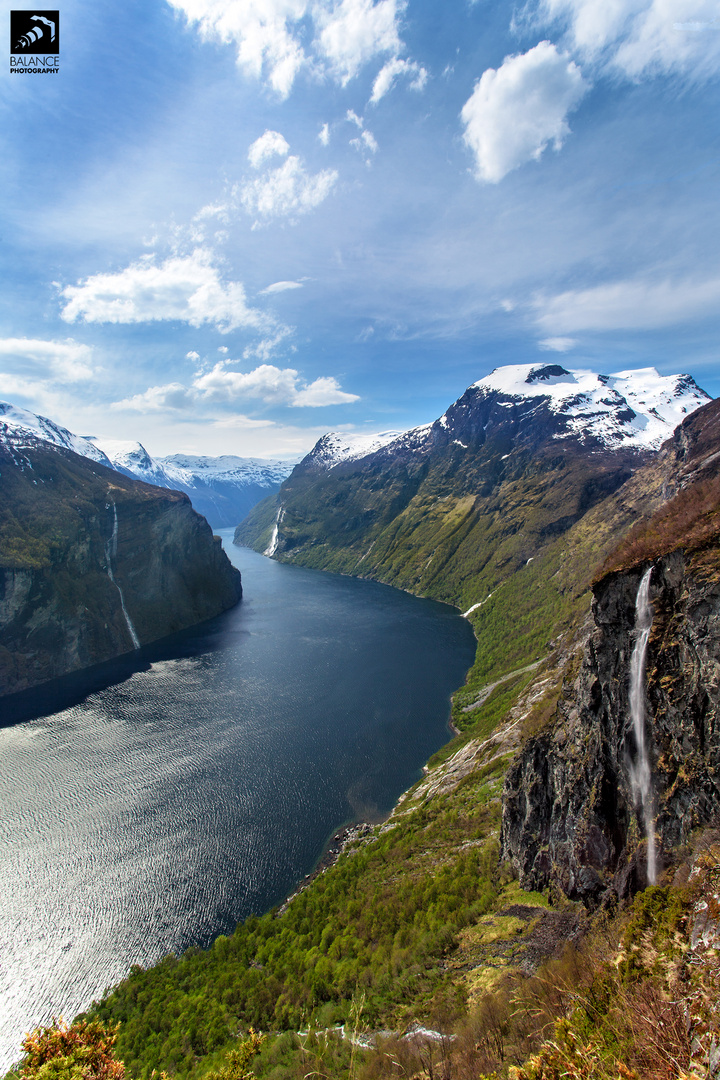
(229, 226)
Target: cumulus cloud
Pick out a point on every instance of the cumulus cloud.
(225, 387)
(188, 288)
(324, 135)
(516, 110)
(641, 38)
(270, 35)
(628, 305)
(287, 191)
(393, 70)
(57, 361)
(271, 144)
(352, 32)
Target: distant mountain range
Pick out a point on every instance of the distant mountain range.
(637, 409)
(222, 489)
(450, 508)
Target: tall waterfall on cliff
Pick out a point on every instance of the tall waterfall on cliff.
(640, 770)
(110, 555)
(272, 546)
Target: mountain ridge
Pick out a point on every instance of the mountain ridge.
(224, 489)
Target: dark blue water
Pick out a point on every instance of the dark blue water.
(152, 803)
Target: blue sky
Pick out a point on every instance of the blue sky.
(229, 226)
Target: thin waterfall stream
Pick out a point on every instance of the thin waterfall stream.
(640, 769)
(110, 555)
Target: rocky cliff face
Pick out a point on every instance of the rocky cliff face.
(93, 563)
(572, 814)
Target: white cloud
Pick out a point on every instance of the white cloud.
(188, 288)
(59, 361)
(557, 344)
(628, 305)
(223, 387)
(391, 71)
(642, 38)
(324, 134)
(517, 109)
(366, 142)
(352, 32)
(287, 191)
(281, 286)
(324, 391)
(269, 34)
(263, 31)
(267, 347)
(271, 144)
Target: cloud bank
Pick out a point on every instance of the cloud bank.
(224, 387)
(641, 38)
(628, 305)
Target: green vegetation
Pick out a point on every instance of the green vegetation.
(380, 922)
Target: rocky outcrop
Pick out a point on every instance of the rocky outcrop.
(571, 813)
(93, 563)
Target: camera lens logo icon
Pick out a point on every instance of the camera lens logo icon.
(36, 31)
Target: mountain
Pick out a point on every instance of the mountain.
(92, 563)
(222, 489)
(486, 507)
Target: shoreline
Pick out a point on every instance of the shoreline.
(339, 842)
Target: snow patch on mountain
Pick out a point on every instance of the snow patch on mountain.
(227, 468)
(638, 408)
(19, 428)
(339, 446)
(224, 488)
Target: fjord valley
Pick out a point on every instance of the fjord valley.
(501, 919)
(542, 902)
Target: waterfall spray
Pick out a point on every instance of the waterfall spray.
(110, 555)
(640, 771)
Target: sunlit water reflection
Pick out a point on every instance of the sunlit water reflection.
(178, 790)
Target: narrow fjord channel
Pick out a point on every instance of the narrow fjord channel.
(151, 806)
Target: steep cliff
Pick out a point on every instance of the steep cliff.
(93, 563)
(572, 810)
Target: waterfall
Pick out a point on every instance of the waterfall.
(640, 770)
(272, 546)
(110, 555)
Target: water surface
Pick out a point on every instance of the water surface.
(152, 803)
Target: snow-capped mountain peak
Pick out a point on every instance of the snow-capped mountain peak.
(20, 426)
(340, 446)
(637, 408)
(224, 488)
